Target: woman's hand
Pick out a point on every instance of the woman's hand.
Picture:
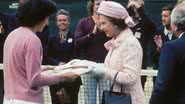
(47, 67)
(61, 63)
(70, 76)
(73, 61)
(98, 70)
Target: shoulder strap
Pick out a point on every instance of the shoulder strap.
(114, 81)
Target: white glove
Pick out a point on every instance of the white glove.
(98, 70)
(74, 61)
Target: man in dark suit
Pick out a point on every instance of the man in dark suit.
(170, 81)
(164, 34)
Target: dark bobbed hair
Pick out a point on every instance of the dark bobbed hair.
(33, 12)
(168, 7)
(118, 23)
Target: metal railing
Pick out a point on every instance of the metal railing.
(147, 89)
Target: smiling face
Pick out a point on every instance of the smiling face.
(106, 26)
(63, 22)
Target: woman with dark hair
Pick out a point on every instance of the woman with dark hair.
(90, 44)
(125, 52)
(88, 37)
(23, 56)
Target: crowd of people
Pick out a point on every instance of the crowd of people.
(115, 37)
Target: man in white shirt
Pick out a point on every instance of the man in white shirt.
(163, 34)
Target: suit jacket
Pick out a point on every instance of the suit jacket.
(165, 39)
(170, 83)
(60, 52)
(163, 36)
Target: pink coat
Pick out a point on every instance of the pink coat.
(126, 57)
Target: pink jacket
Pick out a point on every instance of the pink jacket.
(126, 57)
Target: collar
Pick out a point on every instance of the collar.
(166, 31)
(181, 35)
(65, 33)
(116, 42)
(122, 37)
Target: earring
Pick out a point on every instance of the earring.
(116, 26)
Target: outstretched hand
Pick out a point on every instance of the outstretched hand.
(73, 61)
(70, 76)
(98, 70)
(47, 67)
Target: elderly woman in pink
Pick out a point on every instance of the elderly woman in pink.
(125, 52)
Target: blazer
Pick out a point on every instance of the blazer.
(163, 36)
(170, 83)
(60, 52)
(156, 54)
(126, 57)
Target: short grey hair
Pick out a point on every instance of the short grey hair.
(63, 12)
(178, 16)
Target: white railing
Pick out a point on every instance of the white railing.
(150, 73)
(148, 85)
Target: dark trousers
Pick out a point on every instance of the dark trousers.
(65, 92)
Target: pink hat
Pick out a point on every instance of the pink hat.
(115, 10)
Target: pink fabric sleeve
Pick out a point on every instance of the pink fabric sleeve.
(33, 59)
